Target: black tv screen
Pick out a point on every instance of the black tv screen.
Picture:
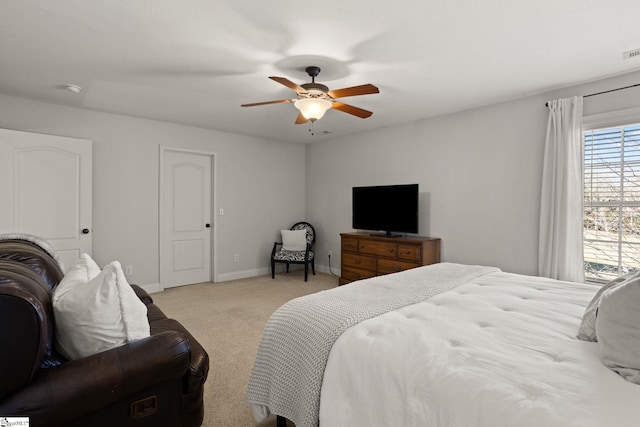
(388, 208)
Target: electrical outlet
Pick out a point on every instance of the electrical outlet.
(330, 253)
(236, 258)
(128, 270)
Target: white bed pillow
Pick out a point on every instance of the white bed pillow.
(618, 331)
(587, 329)
(98, 314)
(294, 240)
(92, 268)
(84, 270)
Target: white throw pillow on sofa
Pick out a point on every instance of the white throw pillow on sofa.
(98, 314)
(83, 271)
(92, 268)
(294, 240)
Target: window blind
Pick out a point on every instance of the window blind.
(611, 202)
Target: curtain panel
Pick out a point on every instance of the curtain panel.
(560, 249)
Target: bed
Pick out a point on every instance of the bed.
(451, 345)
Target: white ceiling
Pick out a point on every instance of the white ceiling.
(195, 61)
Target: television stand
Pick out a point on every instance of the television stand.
(364, 255)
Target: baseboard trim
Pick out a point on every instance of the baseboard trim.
(325, 269)
(245, 274)
(236, 275)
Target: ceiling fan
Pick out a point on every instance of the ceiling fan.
(314, 99)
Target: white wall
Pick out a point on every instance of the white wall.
(259, 183)
(479, 173)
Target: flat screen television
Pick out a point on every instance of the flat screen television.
(386, 208)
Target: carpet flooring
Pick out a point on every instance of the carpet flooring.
(227, 318)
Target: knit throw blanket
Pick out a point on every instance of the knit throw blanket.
(289, 367)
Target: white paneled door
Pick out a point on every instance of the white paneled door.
(46, 190)
(186, 227)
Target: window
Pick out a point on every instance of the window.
(611, 202)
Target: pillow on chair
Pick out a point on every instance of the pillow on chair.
(294, 240)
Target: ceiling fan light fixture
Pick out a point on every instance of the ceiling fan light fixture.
(314, 99)
(312, 108)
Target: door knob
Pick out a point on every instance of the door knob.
(208, 225)
(85, 231)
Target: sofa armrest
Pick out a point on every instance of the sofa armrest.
(142, 294)
(58, 395)
(199, 365)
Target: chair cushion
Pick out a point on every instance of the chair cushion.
(294, 240)
(308, 228)
(291, 256)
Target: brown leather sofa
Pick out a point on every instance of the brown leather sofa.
(156, 381)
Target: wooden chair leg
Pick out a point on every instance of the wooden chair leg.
(281, 421)
(306, 271)
(313, 266)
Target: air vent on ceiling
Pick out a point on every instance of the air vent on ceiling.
(631, 54)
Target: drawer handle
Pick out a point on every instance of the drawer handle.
(397, 268)
(407, 252)
(392, 250)
(358, 261)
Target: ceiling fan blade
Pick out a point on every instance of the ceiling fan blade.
(288, 83)
(354, 91)
(301, 119)
(266, 102)
(350, 109)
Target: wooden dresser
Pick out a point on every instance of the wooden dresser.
(363, 255)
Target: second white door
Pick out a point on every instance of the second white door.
(186, 218)
(46, 190)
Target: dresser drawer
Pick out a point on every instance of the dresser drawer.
(386, 266)
(409, 252)
(349, 244)
(351, 274)
(373, 247)
(358, 261)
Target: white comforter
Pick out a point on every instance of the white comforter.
(498, 351)
(287, 376)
